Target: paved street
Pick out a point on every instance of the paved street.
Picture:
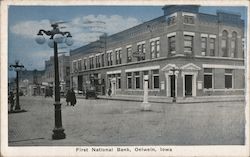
(109, 122)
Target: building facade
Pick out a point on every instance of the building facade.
(183, 53)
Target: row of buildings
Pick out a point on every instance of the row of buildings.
(37, 82)
(183, 53)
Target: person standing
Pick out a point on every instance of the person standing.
(68, 97)
(11, 101)
(72, 97)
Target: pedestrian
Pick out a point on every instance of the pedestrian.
(109, 92)
(68, 97)
(72, 97)
(11, 101)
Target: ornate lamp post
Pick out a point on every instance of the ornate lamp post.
(17, 67)
(56, 36)
(174, 70)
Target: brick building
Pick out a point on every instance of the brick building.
(64, 72)
(184, 53)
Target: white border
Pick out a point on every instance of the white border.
(70, 151)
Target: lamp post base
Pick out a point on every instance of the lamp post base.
(145, 106)
(58, 134)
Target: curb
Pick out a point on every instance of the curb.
(182, 101)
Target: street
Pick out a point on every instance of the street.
(107, 122)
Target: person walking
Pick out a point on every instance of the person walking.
(11, 101)
(72, 97)
(68, 97)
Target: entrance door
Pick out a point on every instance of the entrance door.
(172, 85)
(188, 85)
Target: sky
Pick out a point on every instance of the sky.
(85, 23)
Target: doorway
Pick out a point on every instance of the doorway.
(188, 85)
(172, 85)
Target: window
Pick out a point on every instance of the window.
(110, 58)
(171, 20)
(155, 49)
(79, 64)
(188, 44)
(129, 54)
(85, 64)
(97, 59)
(228, 78)
(212, 46)
(208, 78)
(118, 57)
(102, 56)
(91, 62)
(152, 49)
(224, 43)
(203, 46)
(188, 19)
(118, 81)
(156, 82)
(137, 80)
(234, 44)
(129, 80)
(171, 45)
(74, 66)
(141, 50)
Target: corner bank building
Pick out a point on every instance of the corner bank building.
(183, 53)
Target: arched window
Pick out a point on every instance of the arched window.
(234, 44)
(224, 43)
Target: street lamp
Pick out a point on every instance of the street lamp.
(17, 67)
(174, 70)
(56, 36)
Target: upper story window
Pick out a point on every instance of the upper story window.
(171, 20)
(129, 54)
(118, 56)
(204, 45)
(79, 64)
(110, 58)
(155, 48)
(171, 43)
(74, 66)
(141, 50)
(212, 46)
(102, 58)
(91, 62)
(188, 42)
(234, 44)
(97, 60)
(188, 19)
(85, 64)
(224, 43)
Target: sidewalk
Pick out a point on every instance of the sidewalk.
(162, 99)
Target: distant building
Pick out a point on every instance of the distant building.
(30, 82)
(207, 51)
(64, 72)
